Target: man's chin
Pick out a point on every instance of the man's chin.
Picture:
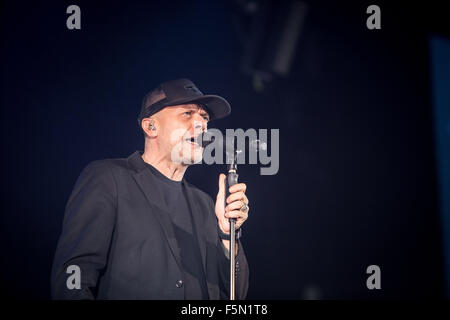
(188, 159)
(192, 155)
(188, 154)
(192, 160)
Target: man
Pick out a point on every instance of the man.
(134, 228)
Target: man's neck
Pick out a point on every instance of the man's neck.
(173, 171)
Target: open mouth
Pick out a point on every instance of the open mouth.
(193, 141)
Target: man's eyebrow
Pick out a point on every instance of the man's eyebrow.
(203, 113)
(200, 110)
(191, 107)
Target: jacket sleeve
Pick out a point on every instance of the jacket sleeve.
(88, 225)
(241, 273)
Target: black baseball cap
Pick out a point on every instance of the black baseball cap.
(184, 91)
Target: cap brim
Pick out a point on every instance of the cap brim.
(217, 107)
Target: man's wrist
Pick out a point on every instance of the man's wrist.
(226, 248)
(227, 236)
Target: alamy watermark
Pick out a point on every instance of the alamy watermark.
(374, 280)
(74, 280)
(252, 147)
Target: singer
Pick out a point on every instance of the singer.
(134, 228)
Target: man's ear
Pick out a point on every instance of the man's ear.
(150, 127)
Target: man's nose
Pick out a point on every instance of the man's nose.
(200, 124)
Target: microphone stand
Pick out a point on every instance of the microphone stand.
(232, 179)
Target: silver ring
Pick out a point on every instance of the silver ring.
(244, 207)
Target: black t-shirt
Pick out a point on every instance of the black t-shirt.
(181, 216)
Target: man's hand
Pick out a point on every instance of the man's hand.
(235, 201)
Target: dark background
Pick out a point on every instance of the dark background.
(357, 179)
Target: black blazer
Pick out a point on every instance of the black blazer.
(118, 231)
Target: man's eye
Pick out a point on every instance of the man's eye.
(188, 113)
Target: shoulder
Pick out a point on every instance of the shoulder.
(107, 165)
(104, 170)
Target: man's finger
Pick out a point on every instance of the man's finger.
(236, 214)
(221, 185)
(238, 187)
(237, 196)
(236, 205)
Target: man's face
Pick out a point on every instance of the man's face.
(178, 126)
